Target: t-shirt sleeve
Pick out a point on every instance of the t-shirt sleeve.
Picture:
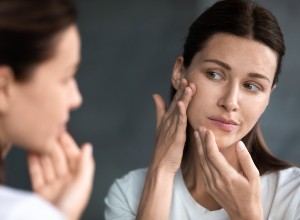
(298, 211)
(34, 208)
(296, 198)
(291, 192)
(286, 202)
(122, 200)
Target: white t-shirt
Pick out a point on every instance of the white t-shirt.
(22, 205)
(280, 198)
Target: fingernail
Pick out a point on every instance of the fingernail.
(186, 91)
(240, 145)
(196, 134)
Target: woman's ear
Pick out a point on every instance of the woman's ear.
(6, 79)
(177, 74)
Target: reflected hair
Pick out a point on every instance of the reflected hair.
(28, 33)
(28, 30)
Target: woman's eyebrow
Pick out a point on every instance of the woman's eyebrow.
(260, 76)
(225, 65)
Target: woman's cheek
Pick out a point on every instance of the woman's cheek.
(194, 113)
(253, 110)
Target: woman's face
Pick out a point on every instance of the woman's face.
(233, 77)
(39, 109)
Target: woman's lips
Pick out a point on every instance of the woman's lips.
(224, 124)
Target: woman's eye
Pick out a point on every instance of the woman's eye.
(252, 87)
(214, 75)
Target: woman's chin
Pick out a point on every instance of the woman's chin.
(224, 143)
(42, 148)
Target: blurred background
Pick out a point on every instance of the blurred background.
(129, 48)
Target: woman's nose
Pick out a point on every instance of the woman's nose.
(229, 100)
(76, 97)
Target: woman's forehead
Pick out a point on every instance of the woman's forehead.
(238, 52)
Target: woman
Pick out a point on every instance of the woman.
(210, 160)
(39, 55)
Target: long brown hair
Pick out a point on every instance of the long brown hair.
(28, 30)
(244, 19)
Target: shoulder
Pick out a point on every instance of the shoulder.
(280, 194)
(286, 177)
(130, 183)
(292, 173)
(288, 181)
(124, 195)
(19, 204)
(136, 177)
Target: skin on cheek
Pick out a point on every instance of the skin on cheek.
(250, 110)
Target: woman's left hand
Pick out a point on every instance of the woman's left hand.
(238, 193)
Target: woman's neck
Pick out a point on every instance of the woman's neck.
(191, 170)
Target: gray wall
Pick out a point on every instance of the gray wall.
(129, 48)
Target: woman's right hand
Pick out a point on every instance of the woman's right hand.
(171, 128)
(170, 139)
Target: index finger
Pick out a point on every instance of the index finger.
(70, 149)
(35, 171)
(179, 94)
(247, 164)
(59, 159)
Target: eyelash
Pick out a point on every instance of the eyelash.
(210, 73)
(258, 87)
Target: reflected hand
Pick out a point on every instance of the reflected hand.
(238, 193)
(65, 176)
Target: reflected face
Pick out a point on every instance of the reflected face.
(40, 108)
(233, 76)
